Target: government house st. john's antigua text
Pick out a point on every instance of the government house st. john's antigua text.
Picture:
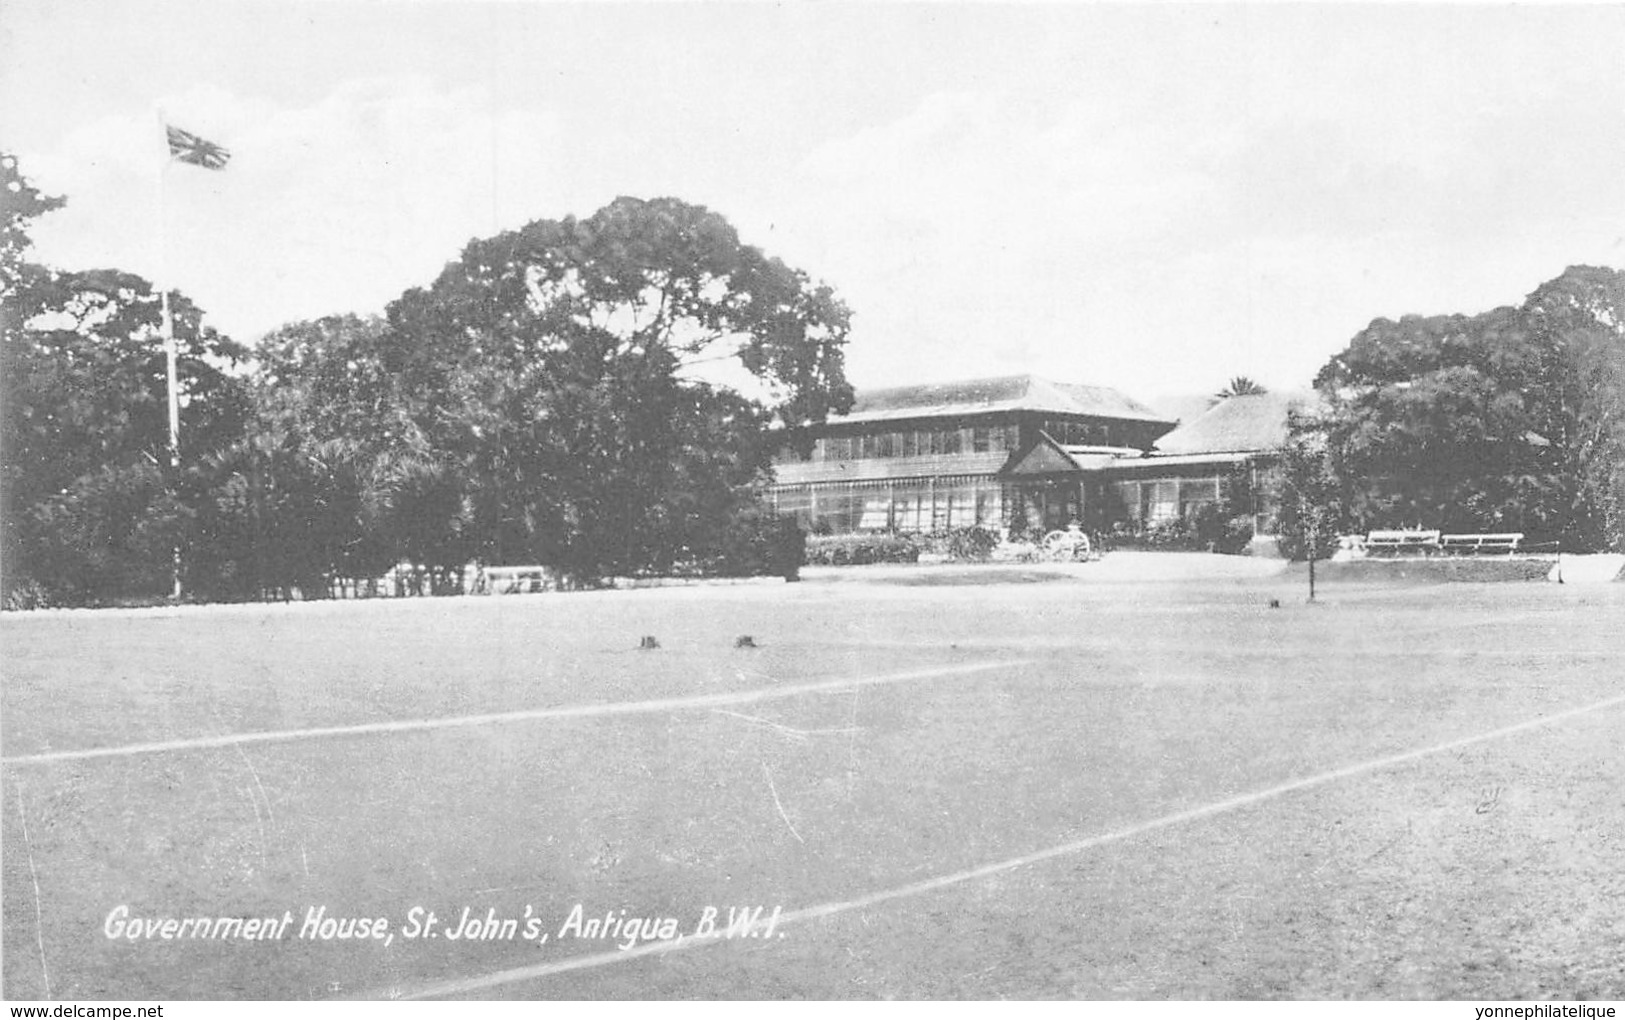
(621, 927)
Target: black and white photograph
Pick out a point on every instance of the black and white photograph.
(698, 501)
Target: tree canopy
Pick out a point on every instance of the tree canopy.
(561, 372)
(660, 281)
(20, 203)
(553, 397)
(1509, 420)
(91, 499)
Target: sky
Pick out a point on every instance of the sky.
(1150, 197)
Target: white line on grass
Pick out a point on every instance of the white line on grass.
(39, 916)
(789, 731)
(525, 715)
(463, 986)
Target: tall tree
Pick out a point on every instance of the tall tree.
(85, 424)
(1579, 318)
(20, 204)
(335, 464)
(570, 369)
(1312, 498)
(1499, 421)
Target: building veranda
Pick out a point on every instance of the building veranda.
(1022, 454)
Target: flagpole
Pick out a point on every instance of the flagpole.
(171, 355)
(185, 147)
(171, 359)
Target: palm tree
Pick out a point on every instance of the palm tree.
(1239, 386)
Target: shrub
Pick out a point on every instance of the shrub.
(972, 544)
(30, 594)
(1017, 551)
(1215, 530)
(1209, 529)
(841, 550)
(1169, 534)
(757, 545)
(110, 534)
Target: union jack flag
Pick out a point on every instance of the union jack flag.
(189, 148)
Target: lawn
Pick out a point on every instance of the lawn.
(951, 784)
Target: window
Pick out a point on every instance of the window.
(961, 506)
(979, 440)
(906, 512)
(1163, 501)
(950, 441)
(841, 508)
(1128, 494)
(876, 514)
(794, 501)
(1195, 493)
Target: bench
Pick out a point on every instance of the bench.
(517, 580)
(1397, 543)
(1472, 545)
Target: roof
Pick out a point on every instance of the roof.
(1049, 457)
(1003, 393)
(1243, 424)
(1155, 463)
(1089, 458)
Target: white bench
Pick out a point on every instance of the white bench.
(1396, 543)
(518, 580)
(1470, 545)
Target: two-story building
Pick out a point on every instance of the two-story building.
(1009, 452)
(1022, 453)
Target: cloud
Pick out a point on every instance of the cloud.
(1153, 198)
(981, 231)
(335, 206)
(1246, 214)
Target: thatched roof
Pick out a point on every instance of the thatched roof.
(1004, 393)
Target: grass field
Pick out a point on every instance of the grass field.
(954, 784)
